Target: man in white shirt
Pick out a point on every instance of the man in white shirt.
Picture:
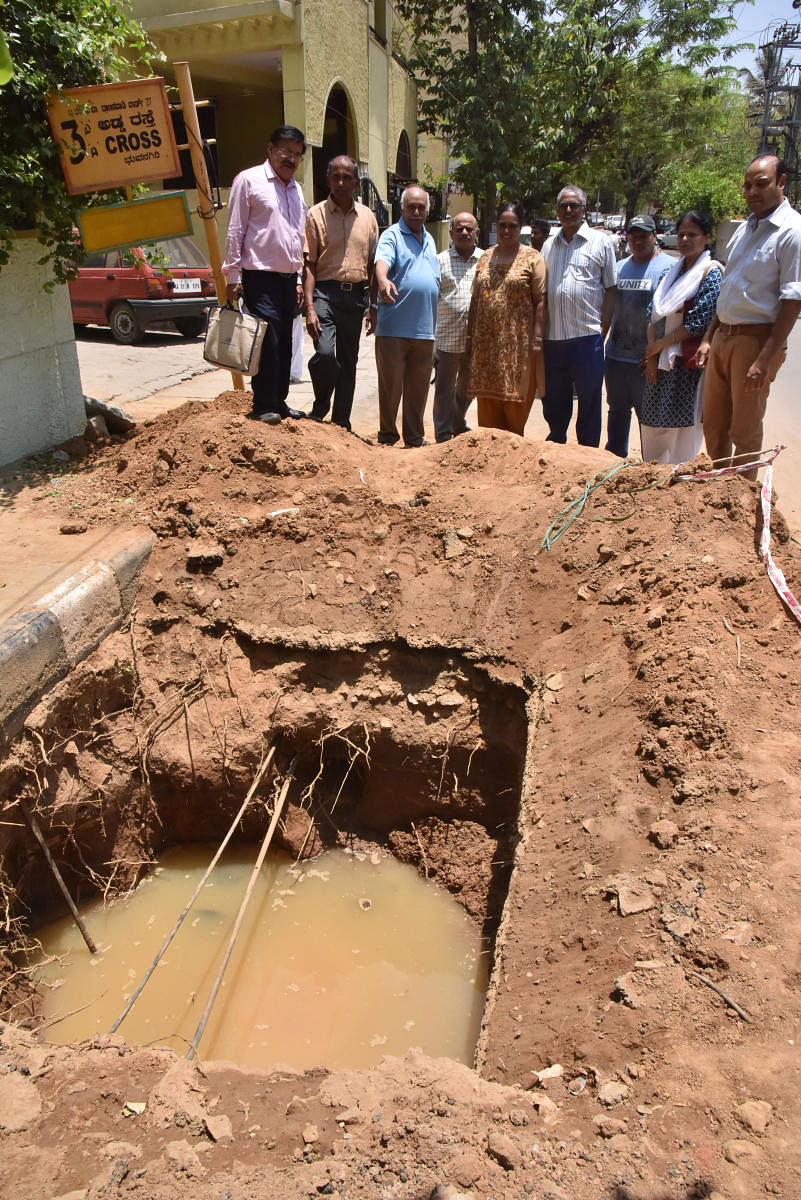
(759, 302)
(581, 300)
(457, 267)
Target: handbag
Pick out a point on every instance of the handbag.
(688, 349)
(233, 339)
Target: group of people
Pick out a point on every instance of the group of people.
(682, 343)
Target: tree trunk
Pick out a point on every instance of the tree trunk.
(490, 205)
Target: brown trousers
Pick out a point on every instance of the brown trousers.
(503, 414)
(404, 373)
(732, 415)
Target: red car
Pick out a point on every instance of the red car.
(133, 290)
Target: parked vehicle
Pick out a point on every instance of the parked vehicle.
(136, 289)
(667, 239)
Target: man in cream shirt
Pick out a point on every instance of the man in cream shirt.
(759, 302)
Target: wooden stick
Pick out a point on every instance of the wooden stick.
(257, 780)
(73, 1012)
(731, 1003)
(268, 837)
(33, 825)
(205, 206)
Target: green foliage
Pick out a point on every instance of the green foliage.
(677, 117)
(154, 255)
(529, 93)
(65, 43)
(706, 188)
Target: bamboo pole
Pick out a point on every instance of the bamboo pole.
(205, 205)
(279, 804)
(33, 825)
(257, 780)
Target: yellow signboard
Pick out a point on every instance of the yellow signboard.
(114, 135)
(163, 215)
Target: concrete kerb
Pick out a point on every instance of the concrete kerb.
(41, 645)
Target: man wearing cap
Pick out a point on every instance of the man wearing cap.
(637, 277)
(759, 302)
(264, 262)
(451, 360)
(341, 237)
(581, 297)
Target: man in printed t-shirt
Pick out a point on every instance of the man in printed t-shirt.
(637, 277)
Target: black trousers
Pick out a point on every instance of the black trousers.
(333, 365)
(273, 297)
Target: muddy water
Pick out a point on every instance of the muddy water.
(340, 960)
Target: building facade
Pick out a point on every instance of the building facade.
(325, 66)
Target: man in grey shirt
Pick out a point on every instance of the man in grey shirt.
(760, 299)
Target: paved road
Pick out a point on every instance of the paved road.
(783, 424)
(113, 372)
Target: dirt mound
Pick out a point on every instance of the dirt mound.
(593, 745)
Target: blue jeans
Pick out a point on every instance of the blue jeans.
(624, 385)
(575, 363)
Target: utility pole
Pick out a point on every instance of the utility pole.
(779, 134)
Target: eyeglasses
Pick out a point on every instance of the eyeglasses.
(570, 204)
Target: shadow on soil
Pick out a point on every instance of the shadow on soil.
(698, 1191)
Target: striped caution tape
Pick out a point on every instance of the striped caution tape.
(775, 574)
(752, 465)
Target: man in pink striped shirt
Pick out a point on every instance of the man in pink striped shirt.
(264, 262)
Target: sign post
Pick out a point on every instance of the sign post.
(114, 135)
(206, 210)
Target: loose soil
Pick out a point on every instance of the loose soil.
(595, 747)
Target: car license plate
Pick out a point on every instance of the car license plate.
(186, 285)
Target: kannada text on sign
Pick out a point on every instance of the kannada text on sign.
(114, 135)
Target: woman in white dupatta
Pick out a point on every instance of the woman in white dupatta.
(683, 305)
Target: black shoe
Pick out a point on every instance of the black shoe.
(415, 445)
(267, 418)
(386, 439)
(297, 414)
(312, 416)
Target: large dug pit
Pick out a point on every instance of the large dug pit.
(594, 749)
(419, 755)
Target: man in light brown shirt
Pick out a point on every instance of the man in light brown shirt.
(341, 237)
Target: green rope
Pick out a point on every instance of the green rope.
(563, 520)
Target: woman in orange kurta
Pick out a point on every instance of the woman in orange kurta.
(505, 327)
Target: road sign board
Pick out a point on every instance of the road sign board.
(114, 134)
(114, 226)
